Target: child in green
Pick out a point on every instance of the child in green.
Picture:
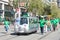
(6, 25)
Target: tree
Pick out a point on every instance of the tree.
(36, 6)
(15, 3)
(54, 10)
(47, 10)
(58, 13)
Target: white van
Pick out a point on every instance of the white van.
(27, 25)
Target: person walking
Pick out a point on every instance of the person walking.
(45, 26)
(42, 23)
(54, 24)
(48, 25)
(57, 20)
(6, 25)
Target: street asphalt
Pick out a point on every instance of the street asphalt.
(33, 36)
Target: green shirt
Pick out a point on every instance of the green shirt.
(6, 23)
(54, 22)
(51, 21)
(57, 20)
(42, 22)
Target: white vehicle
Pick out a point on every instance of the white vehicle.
(27, 25)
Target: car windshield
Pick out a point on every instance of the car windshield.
(23, 21)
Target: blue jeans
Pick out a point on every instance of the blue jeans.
(49, 28)
(6, 27)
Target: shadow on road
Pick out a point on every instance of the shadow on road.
(22, 34)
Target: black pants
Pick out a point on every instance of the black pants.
(54, 27)
(42, 29)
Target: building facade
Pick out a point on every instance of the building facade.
(6, 9)
(2, 3)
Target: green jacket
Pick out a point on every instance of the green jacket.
(54, 21)
(51, 21)
(6, 23)
(42, 22)
(57, 20)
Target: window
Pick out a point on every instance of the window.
(8, 14)
(33, 20)
(7, 7)
(23, 21)
(30, 20)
